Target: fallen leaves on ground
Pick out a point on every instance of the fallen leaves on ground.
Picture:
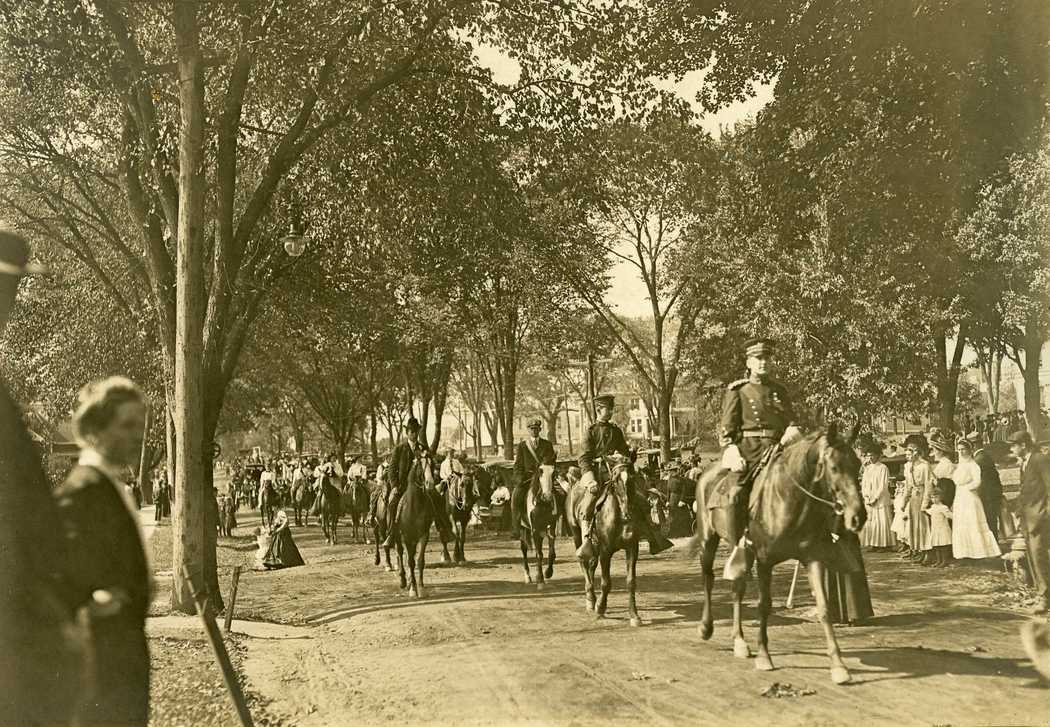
(776, 690)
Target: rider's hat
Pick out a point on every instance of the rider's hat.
(1021, 437)
(535, 423)
(412, 424)
(605, 400)
(758, 347)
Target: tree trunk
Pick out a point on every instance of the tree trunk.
(145, 481)
(373, 433)
(509, 386)
(663, 413)
(948, 378)
(188, 515)
(551, 420)
(1033, 352)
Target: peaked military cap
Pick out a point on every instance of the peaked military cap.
(535, 423)
(758, 347)
(605, 400)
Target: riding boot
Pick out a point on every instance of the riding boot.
(391, 520)
(586, 551)
(736, 564)
(517, 506)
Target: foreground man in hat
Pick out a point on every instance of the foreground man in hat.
(1033, 505)
(756, 416)
(532, 452)
(37, 676)
(605, 438)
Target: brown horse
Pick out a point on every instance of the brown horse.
(380, 494)
(415, 514)
(302, 501)
(355, 504)
(541, 517)
(460, 497)
(329, 505)
(614, 530)
(795, 502)
(267, 503)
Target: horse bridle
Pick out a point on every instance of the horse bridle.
(836, 505)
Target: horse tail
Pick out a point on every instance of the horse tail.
(695, 544)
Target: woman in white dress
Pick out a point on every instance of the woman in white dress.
(875, 488)
(971, 537)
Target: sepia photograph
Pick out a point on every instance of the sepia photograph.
(543, 363)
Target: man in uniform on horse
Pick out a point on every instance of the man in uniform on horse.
(605, 438)
(401, 461)
(757, 416)
(533, 451)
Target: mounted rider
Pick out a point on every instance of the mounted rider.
(405, 453)
(451, 469)
(605, 438)
(757, 416)
(532, 452)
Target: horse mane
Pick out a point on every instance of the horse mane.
(800, 457)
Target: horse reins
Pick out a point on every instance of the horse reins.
(837, 506)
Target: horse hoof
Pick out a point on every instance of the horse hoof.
(540, 586)
(528, 579)
(763, 663)
(741, 650)
(413, 593)
(549, 573)
(589, 605)
(706, 630)
(840, 675)
(387, 569)
(635, 621)
(445, 560)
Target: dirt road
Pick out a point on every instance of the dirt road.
(482, 647)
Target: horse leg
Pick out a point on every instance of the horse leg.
(537, 542)
(603, 602)
(839, 673)
(740, 647)
(765, 606)
(523, 541)
(401, 564)
(550, 553)
(461, 541)
(413, 590)
(631, 554)
(378, 560)
(707, 568)
(422, 558)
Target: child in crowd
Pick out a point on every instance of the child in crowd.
(899, 527)
(940, 530)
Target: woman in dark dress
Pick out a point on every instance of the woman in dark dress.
(107, 577)
(282, 552)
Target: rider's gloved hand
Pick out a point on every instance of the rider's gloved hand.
(790, 435)
(732, 460)
(589, 481)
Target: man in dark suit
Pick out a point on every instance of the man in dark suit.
(1033, 504)
(401, 462)
(991, 490)
(532, 452)
(37, 666)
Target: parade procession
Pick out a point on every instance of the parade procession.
(524, 362)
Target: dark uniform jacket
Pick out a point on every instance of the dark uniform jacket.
(761, 408)
(401, 462)
(105, 552)
(526, 465)
(603, 438)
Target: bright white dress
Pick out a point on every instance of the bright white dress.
(971, 537)
(875, 488)
(900, 512)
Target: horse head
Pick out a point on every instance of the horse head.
(838, 467)
(424, 464)
(545, 480)
(619, 467)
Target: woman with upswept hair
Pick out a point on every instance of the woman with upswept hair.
(919, 481)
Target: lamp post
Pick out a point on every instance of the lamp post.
(295, 241)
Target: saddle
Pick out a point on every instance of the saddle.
(722, 493)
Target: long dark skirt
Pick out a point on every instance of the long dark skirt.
(282, 552)
(849, 600)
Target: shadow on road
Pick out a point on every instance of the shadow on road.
(915, 662)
